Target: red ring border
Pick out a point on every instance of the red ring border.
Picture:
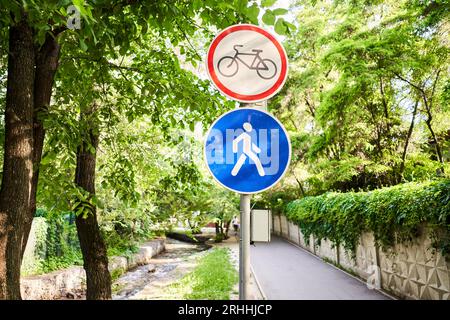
(240, 97)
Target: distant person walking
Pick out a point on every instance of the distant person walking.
(235, 223)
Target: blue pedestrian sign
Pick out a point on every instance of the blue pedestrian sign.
(247, 150)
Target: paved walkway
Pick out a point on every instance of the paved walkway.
(285, 271)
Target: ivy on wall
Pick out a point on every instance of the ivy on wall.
(52, 245)
(36, 247)
(394, 214)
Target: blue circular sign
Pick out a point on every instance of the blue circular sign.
(247, 150)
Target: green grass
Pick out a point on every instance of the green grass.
(212, 279)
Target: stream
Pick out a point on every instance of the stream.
(148, 281)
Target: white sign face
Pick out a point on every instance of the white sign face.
(247, 63)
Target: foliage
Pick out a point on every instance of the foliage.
(56, 244)
(128, 63)
(57, 247)
(186, 194)
(224, 206)
(365, 99)
(393, 214)
(115, 274)
(275, 200)
(213, 278)
(34, 254)
(219, 237)
(184, 197)
(117, 246)
(70, 258)
(62, 246)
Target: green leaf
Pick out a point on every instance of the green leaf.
(252, 13)
(242, 5)
(78, 3)
(83, 45)
(268, 3)
(269, 18)
(290, 27)
(280, 27)
(280, 11)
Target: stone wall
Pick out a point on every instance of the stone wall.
(72, 281)
(412, 271)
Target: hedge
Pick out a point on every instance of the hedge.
(393, 214)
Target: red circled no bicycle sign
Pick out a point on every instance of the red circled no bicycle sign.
(247, 63)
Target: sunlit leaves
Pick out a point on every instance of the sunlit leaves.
(343, 93)
(252, 13)
(280, 11)
(269, 18)
(268, 3)
(283, 27)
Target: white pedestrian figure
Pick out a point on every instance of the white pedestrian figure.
(247, 148)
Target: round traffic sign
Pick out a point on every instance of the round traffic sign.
(247, 150)
(247, 63)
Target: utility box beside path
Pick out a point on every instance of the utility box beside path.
(260, 222)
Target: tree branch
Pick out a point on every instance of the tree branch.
(434, 87)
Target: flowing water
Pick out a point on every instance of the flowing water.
(148, 281)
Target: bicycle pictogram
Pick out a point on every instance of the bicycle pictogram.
(228, 66)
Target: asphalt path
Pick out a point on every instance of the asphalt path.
(285, 271)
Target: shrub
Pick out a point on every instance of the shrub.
(392, 214)
(219, 237)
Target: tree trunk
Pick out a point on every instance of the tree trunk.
(17, 164)
(385, 108)
(437, 147)
(227, 228)
(302, 190)
(91, 241)
(428, 103)
(408, 137)
(217, 228)
(46, 66)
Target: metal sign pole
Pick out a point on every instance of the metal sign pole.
(244, 248)
(244, 238)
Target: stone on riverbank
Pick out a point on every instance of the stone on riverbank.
(72, 281)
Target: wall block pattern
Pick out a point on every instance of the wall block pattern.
(407, 271)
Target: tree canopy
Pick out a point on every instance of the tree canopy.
(366, 96)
